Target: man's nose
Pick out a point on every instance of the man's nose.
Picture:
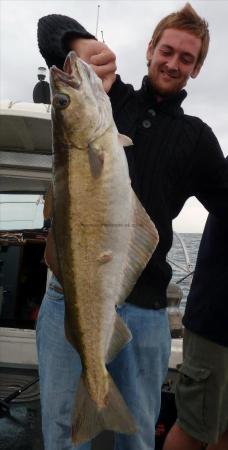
(173, 63)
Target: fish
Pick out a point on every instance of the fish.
(103, 240)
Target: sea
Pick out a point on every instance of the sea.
(182, 258)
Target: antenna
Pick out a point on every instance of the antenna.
(98, 11)
(102, 36)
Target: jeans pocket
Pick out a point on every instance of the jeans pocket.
(54, 292)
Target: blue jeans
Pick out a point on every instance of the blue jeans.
(139, 371)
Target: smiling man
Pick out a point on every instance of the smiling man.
(174, 157)
(172, 61)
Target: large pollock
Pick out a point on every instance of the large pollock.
(103, 238)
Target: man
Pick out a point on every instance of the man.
(174, 156)
(202, 390)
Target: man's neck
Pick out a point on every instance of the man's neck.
(159, 98)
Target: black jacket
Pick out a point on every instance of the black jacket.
(174, 156)
(206, 311)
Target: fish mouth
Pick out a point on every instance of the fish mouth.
(70, 75)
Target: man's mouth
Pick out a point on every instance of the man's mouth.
(169, 74)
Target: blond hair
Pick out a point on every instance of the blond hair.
(188, 20)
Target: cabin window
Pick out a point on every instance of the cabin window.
(21, 211)
(23, 272)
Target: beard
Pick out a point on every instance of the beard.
(162, 88)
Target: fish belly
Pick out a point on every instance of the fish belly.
(92, 232)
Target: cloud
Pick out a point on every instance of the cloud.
(192, 218)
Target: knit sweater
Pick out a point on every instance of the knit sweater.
(173, 157)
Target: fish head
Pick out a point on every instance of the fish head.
(81, 110)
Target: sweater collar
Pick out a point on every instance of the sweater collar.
(171, 105)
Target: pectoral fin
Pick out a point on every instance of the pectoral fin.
(96, 160)
(143, 241)
(125, 141)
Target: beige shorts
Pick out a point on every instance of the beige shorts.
(202, 389)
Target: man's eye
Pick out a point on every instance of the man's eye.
(61, 101)
(165, 52)
(187, 59)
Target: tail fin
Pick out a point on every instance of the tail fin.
(89, 420)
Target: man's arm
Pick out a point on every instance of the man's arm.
(99, 55)
(54, 33)
(58, 34)
(211, 175)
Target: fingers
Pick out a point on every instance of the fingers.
(104, 64)
(104, 70)
(99, 56)
(92, 51)
(108, 82)
(84, 48)
(106, 56)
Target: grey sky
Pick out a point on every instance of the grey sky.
(127, 26)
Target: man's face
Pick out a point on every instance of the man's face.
(173, 61)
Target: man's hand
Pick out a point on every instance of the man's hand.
(102, 59)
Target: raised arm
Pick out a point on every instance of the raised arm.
(58, 34)
(99, 55)
(210, 175)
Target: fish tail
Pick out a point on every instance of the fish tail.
(89, 420)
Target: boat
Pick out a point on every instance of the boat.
(25, 174)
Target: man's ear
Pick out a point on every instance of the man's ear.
(196, 71)
(150, 51)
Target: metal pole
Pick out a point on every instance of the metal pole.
(98, 10)
(187, 259)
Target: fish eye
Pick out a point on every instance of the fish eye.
(61, 101)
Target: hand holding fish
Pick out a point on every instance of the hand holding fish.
(99, 55)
